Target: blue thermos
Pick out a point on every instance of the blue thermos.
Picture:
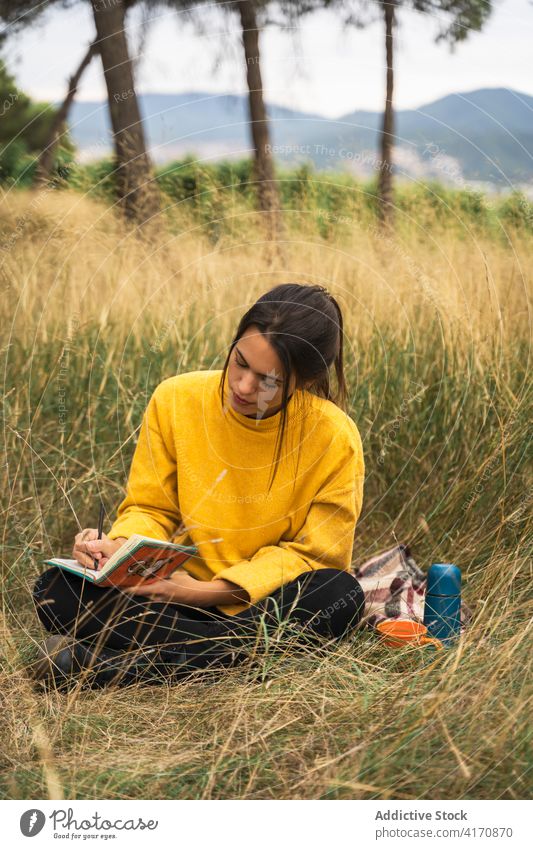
(442, 608)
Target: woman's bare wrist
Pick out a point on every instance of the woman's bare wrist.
(227, 592)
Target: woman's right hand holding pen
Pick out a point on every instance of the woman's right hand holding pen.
(87, 547)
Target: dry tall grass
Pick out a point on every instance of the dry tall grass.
(438, 349)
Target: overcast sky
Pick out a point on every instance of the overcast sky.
(318, 68)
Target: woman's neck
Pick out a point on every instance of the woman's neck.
(269, 412)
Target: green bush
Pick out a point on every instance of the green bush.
(517, 211)
(24, 132)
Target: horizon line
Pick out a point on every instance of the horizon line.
(213, 95)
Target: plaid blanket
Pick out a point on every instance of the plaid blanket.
(395, 587)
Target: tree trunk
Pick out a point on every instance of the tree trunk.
(267, 188)
(46, 159)
(136, 189)
(386, 207)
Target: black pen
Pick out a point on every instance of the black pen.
(100, 529)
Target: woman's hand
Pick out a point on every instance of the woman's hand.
(182, 588)
(88, 547)
(179, 588)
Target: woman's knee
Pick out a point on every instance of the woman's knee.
(55, 597)
(42, 584)
(42, 598)
(339, 601)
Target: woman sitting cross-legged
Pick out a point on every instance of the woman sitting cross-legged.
(259, 466)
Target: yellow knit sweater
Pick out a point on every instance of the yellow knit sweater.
(201, 470)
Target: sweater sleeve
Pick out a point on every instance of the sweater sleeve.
(324, 541)
(151, 504)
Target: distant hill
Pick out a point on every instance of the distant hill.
(482, 137)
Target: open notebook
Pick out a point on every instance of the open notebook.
(138, 558)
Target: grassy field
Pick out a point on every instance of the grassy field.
(438, 343)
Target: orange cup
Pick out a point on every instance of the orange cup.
(399, 632)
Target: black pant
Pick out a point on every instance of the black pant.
(324, 602)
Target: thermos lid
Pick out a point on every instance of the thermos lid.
(443, 579)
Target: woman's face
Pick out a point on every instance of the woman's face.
(255, 375)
